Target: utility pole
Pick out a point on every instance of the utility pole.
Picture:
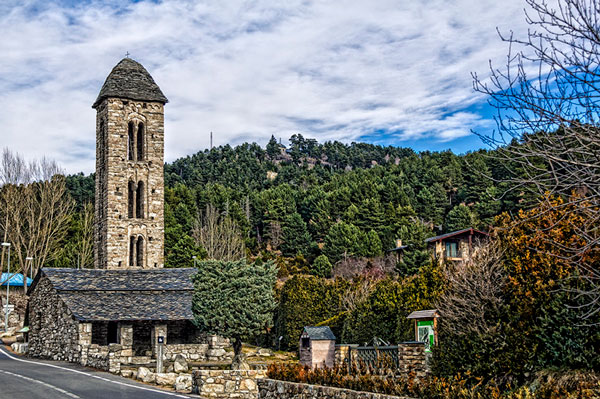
(7, 244)
(211, 141)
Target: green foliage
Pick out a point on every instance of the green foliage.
(343, 239)
(460, 217)
(383, 312)
(321, 266)
(234, 299)
(182, 253)
(305, 301)
(371, 245)
(295, 237)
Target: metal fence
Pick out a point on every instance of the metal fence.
(374, 355)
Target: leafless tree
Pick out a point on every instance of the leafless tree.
(357, 293)
(474, 292)
(372, 268)
(547, 98)
(36, 208)
(219, 234)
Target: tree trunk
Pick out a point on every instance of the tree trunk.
(239, 359)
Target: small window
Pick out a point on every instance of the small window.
(452, 250)
(305, 342)
(140, 142)
(139, 201)
(130, 141)
(130, 199)
(132, 251)
(140, 252)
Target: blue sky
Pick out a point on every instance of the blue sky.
(386, 72)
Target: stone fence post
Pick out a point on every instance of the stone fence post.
(85, 340)
(412, 357)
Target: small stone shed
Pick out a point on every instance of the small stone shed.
(106, 318)
(317, 347)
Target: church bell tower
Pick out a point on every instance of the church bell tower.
(129, 225)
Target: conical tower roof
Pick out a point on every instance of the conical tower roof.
(129, 79)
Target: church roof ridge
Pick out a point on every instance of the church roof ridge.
(129, 79)
(65, 279)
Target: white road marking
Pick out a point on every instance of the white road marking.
(69, 394)
(93, 376)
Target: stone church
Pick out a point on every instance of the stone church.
(113, 315)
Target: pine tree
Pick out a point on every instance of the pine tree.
(272, 148)
(234, 299)
(321, 266)
(460, 217)
(294, 236)
(343, 239)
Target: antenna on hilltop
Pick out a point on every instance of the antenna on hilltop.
(211, 145)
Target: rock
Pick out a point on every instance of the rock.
(215, 354)
(166, 379)
(180, 365)
(144, 374)
(19, 347)
(183, 383)
(264, 352)
(127, 373)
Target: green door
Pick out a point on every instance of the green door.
(425, 333)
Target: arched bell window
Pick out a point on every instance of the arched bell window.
(131, 199)
(130, 141)
(139, 202)
(132, 250)
(140, 251)
(140, 142)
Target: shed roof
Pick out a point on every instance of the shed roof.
(470, 230)
(323, 333)
(129, 79)
(136, 294)
(423, 314)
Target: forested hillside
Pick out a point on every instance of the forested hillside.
(328, 201)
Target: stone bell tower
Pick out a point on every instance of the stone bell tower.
(129, 225)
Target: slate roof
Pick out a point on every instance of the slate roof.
(319, 333)
(423, 314)
(470, 230)
(110, 295)
(129, 79)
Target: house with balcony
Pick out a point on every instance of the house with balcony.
(456, 246)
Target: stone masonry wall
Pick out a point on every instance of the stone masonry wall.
(274, 389)
(113, 173)
(227, 384)
(53, 331)
(412, 357)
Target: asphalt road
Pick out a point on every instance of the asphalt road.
(24, 378)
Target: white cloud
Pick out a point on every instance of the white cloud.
(246, 70)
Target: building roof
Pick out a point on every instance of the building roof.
(423, 314)
(323, 333)
(470, 230)
(13, 279)
(129, 79)
(129, 294)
